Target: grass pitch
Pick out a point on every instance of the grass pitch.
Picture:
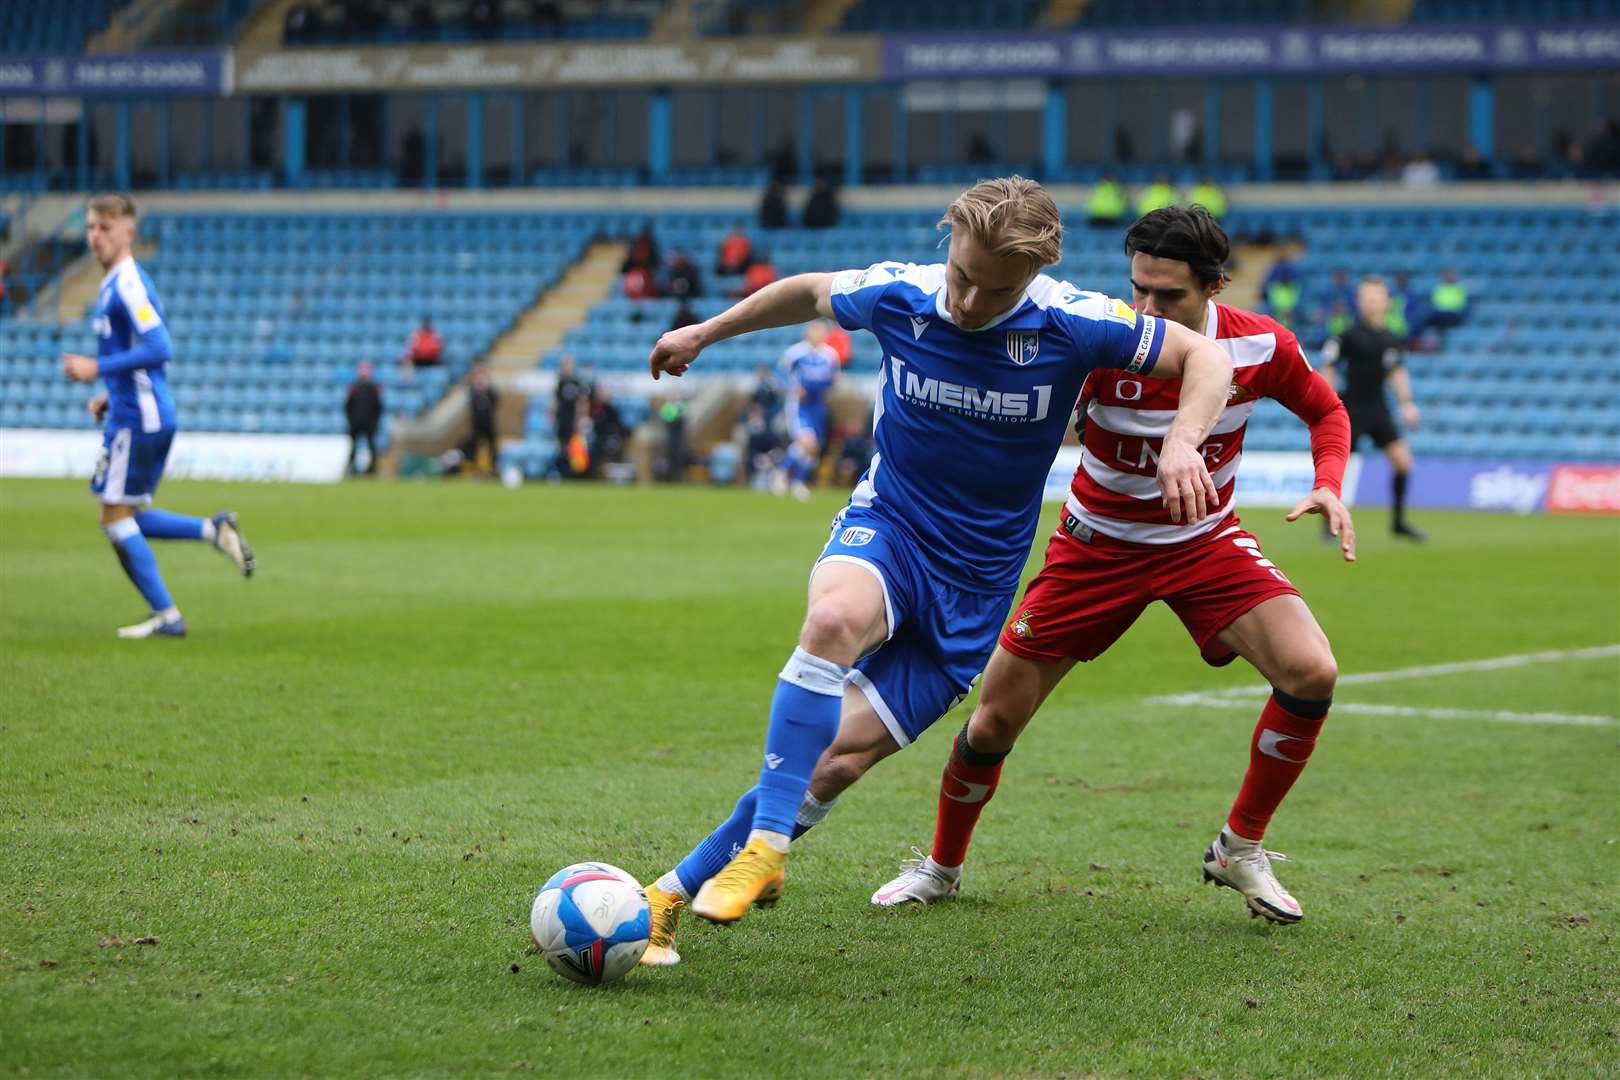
(304, 841)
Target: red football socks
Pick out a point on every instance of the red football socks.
(968, 783)
(1282, 744)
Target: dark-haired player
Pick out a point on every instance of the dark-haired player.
(133, 349)
(1118, 550)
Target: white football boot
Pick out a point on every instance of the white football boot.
(162, 624)
(921, 881)
(1245, 865)
(232, 544)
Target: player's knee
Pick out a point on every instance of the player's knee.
(994, 727)
(1311, 676)
(838, 771)
(833, 630)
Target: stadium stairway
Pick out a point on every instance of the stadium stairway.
(540, 329)
(264, 26)
(1061, 14)
(824, 16)
(77, 288)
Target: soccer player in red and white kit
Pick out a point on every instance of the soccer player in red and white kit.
(1119, 548)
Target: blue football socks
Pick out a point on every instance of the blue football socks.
(139, 563)
(804, 719)
(717, 849)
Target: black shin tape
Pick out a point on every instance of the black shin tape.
(1303, 708)
(972, 756)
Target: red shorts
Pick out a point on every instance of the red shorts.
(1088, 594)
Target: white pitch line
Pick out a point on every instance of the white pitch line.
(1495, 663)
(1236, 695)
(1576, 719)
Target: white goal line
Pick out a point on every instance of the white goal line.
(1242, 696)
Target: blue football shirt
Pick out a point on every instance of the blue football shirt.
(967, 422)
(133, 349)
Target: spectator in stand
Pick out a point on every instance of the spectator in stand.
(1472, 165)
(839, 342)
(1421, 171)
(546, 17)
(608, 430)
(736, 251)
(426, 347)
(298, 26)
(643, 253)
(760, 444)
(684, 279)
(767, 392)
(569, 397)
(684, 315)
(760, 273)
(363, 409)
(1156, 196)
(639, 284)
(1282, 290)
(482, 401)
(1448, 301)
(424, 21)
(1108, 203)
(773, 212)
(1603, 148)
(821, 209)
(1209, 195)
(1404, 319)
(484, 17)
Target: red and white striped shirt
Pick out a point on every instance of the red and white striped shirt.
(1116, 489)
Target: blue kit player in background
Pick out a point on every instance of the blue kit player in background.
(983, 361)
(809, 371)
(133, 348)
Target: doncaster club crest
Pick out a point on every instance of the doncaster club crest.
(1022, 345)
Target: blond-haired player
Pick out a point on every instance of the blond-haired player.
(983, 359)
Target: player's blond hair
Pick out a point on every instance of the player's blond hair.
(113, 204)
(1010, 215)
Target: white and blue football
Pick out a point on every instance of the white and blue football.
(590, 922)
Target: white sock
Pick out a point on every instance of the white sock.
(671, 883)
(209, 532)
(943, 871)
(812, 811)
(779, 842)
(1237, 840)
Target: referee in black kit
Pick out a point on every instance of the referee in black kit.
(1370, 354)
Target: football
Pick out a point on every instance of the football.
(590, 922)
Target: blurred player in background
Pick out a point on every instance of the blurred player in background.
(133, 350)
(809, 372)
(984, 357)
(1370, 354)
(1117, 551)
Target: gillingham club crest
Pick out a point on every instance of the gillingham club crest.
(1022, 345)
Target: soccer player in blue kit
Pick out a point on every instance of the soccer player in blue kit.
(983, 361)
(133, 349)
(809, 370)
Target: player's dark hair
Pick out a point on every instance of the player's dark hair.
(1186, 234)
(113, 204)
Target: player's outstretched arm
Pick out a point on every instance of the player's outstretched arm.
(1205, 372)
(795, 299)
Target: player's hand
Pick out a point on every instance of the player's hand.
(80, 368)
(1189, 492)
(1324, 502)
(675, 351)
(1410, 416)
(97, 406)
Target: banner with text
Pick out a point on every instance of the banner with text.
(840, 58)
(1369, 50)
(195, 456)
(165, 73)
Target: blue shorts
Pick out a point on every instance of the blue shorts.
(940, 636)
(131, 465)
(808, 418)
